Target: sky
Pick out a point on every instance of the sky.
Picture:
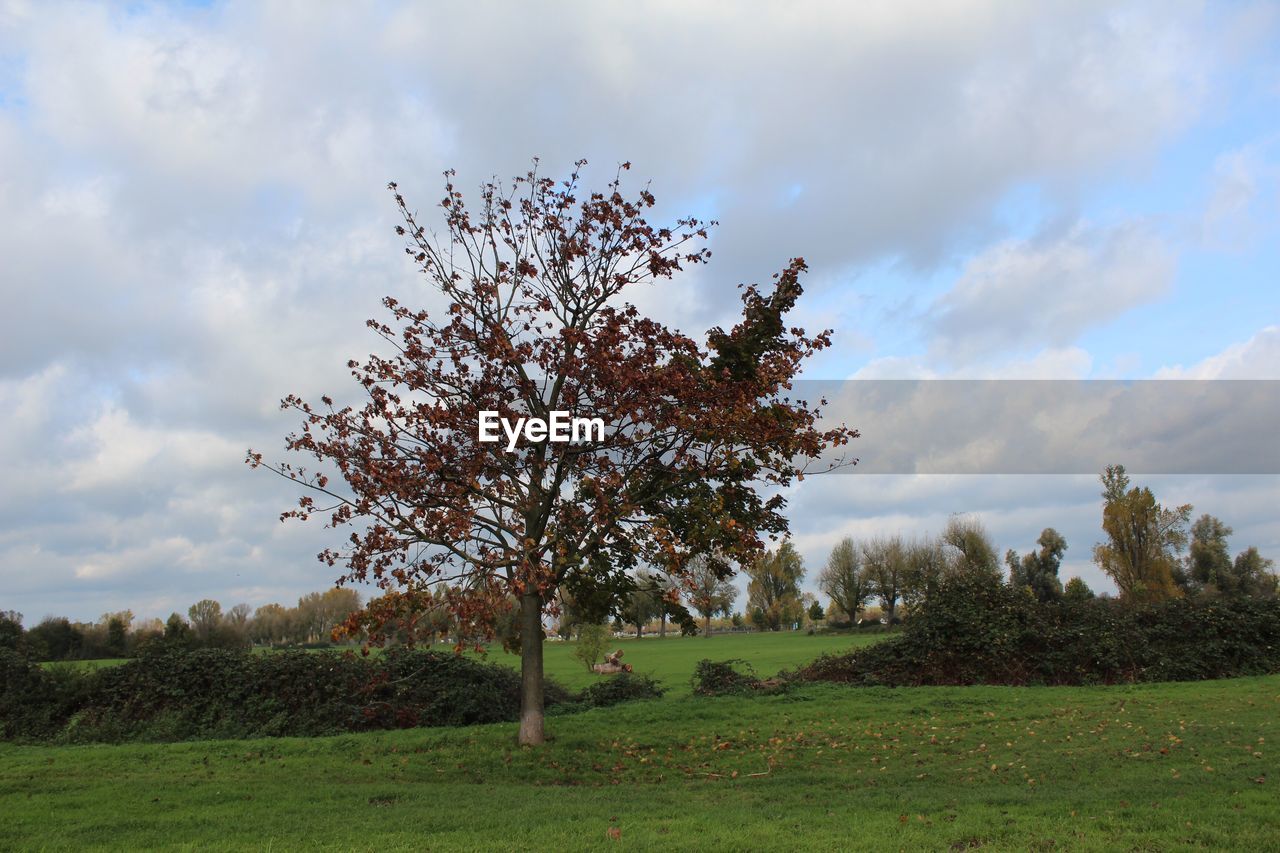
(196, 224)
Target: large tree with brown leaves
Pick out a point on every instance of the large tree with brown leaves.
(535, 277)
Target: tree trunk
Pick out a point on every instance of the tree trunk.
(662, 626)
(707, 631)
(531, 718)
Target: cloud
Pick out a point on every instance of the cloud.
(1256, 358)
(1024, 294)
(196, 222)
(1244, 197)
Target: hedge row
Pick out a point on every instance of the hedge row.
(171, 693)
(975, 632)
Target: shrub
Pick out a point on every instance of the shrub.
(730, 677)
(592, 640)
(624, 687)
(980, 632)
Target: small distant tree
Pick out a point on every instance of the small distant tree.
(55, 638)
(970, 550)
(592, 641)
(709, 589)
(176, 629)
(844, 579)
(1038, 570)
(1143, 539)
(925, 562)
(11, 633)
(816, 612)
(886, 568)
(641, 605)
(206, 619)
(270, 625)
(1254, 575)
(774, 589)
(1077, 590)
(117, 635)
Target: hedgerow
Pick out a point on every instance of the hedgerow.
(174, 693)
(978, 632)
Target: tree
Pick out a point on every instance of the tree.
(886, 567)
(816, 613)
(1077, 590)
(774, 589)
(206, 619)
(1038, 570)
(970, 550)
(176, 629)
(1143, 539)
(11, 633)
(535, 280)
(925, 563)
(709, 589)
(844, 579)
(641, 605)
(117, 630)
(55, 638)
(1210, 569)
(270, 624)
(592, 641)
(1208, 560)
(1253, 574)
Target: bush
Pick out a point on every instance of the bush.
(981, 632)
(592, 640)
(624, 687)
(731, 677)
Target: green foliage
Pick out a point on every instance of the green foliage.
(55, 639)
(592, 640)
(1077, 590)
(1038, 570)
(12, 637)
(624, 687)
(173, 693)
(732, 677)
(978, 632)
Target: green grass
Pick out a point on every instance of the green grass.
(1151, 767)
(671, 659)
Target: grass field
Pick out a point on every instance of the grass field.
(1163, 766)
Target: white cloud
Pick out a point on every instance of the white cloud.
(1256, 358)
(1022, 295)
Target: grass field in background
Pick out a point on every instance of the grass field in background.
(1152, 767)
(669, 659)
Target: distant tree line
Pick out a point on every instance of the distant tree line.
(206, 625)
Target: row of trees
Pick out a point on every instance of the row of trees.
(1145, 539)
(1143, 555)
(206, 624)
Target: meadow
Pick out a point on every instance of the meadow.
(1152, 766)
